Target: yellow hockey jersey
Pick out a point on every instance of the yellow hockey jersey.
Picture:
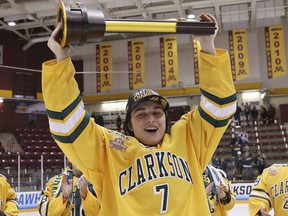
(131, 179)
(8, 198)
(271, 191)
(218, 208)
(51, 201)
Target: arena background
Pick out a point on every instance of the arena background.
(23, 49)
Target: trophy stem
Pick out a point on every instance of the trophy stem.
(177, 27)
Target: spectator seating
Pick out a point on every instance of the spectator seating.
(271, 139)
(39, 150)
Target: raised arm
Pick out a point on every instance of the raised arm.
(70, 124)
(218, 99)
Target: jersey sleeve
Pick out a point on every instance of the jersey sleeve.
(259, 196)
(49, 204)
(11, 206)
(90, 204)
(75, 133)
(218, 101)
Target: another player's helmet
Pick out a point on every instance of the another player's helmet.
(141, 95)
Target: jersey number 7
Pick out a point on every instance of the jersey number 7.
(164, 190)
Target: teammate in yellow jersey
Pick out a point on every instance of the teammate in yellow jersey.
(221, 198)
(69, 194)
(8, 198)
(150, 169)
(270, 191)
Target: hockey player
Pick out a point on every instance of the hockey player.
(8, 198)
(149, 170)
(270, 191)
(68, 194)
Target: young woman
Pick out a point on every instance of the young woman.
(147, 171)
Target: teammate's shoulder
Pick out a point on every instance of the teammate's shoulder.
(2, 176)
(274, 168)
(279, 165)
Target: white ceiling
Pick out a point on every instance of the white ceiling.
(36, 18)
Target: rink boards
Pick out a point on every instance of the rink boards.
(28, 200)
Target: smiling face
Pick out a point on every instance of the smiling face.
(148, 122)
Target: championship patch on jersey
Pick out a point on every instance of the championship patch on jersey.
(118, 144)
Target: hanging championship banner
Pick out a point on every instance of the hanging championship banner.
(136, 64)
(275, 51)
(239, 54)
(196, 50)
(169, 61)
(104, 67)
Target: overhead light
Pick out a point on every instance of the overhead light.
(191, 16)
(1, 100)
(12, 23)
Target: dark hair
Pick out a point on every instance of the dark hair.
(98, 119)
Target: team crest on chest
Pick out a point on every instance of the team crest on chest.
(118, 144)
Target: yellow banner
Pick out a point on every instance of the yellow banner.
(275, 51)
(196, 50)
(169, 60)
(239, 54)
(104, 67)
(136, 64)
